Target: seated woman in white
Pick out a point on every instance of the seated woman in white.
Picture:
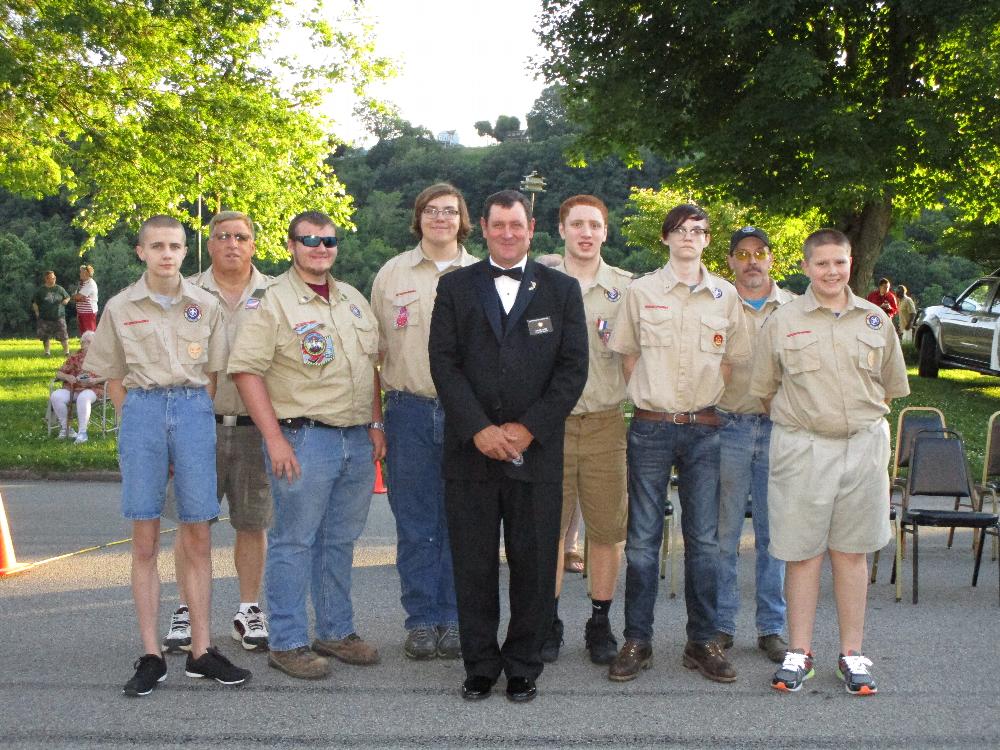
(79, 387)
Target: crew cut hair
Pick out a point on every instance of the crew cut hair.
(582, 200)
(231, 216)
(318, 218)
(825, 236)
(159, 221)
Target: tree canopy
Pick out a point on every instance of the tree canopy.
(128, 108)
(863, 110)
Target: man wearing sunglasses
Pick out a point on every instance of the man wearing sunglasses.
(403, 298)
(304, 363)
(242, 480)
(744, 441)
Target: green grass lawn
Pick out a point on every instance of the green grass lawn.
(966, 398)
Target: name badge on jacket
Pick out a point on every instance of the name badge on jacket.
(539, 325)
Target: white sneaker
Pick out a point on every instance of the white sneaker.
(80, 438)
(67, 432)
(250, 629)
(178, 638)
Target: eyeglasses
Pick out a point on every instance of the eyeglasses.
(432, 212)
(312, 240)
(240, 237)
(744, 255)
(694, 231)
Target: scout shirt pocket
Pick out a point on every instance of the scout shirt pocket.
(140, 343)
(800, 353)
(405, 311)
(714, 334)
(871, 349)
(656, 327)
(192, 343)
(367, 335)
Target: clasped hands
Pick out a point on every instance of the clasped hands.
(504, 443)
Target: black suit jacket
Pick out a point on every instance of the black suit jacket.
(487, 374)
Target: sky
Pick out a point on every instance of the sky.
(458, 62)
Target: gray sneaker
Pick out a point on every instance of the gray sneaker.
(421, 643)
(448, 646)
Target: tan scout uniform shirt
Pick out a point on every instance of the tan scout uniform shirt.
(227, 398)
(145, 346)
(402, 299)
(605, 387)
(736, 397)
(828, 374)
(683, 336)
(316, 357)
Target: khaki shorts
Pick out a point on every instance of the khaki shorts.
(828, 493)
(242, 479)
(594, 475)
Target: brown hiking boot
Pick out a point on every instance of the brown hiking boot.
(300, 662)
(725, 640)
(709, 659)
(774, 646)
(350, 650)
(634, 657)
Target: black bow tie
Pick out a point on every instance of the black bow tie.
(514, 273)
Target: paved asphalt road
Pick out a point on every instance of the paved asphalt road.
(68, 639)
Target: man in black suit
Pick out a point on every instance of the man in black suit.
(508, 355)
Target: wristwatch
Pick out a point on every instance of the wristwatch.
(376, 426)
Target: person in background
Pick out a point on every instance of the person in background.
(80, 388)
(907, 309)
(49, 305)
(883, 297)
(86, 300)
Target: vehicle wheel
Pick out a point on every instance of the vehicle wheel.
(927, 364)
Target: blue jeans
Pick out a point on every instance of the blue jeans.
(653, 448)
(160, 428)
(414, 433)
(744, 446)
(317, 519)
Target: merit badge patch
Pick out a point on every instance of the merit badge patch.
(305, 327)
(317, 349)
(716, 292)
(355, 310)
(402, 317)
(252, 304)
(604, 330)
(192, 313)
(717, 340)
(613, 295)
(195, 349)
(874, 321)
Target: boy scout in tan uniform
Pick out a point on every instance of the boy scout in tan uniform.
(304, 364)
(828, 365)
(159, 344)
(402, 299)
(678, 331)
(242, 479)
(594, 447)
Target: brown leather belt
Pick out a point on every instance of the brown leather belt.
(706, 416)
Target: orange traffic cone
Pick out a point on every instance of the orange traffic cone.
(8, 560)
(379, 488)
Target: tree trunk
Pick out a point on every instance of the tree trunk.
(867, 231)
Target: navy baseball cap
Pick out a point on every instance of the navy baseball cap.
(742, 234)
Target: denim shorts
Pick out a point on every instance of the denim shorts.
(160, 428)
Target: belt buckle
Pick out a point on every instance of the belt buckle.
(676, 414)
(228, 420)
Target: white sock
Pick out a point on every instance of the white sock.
(245, 606)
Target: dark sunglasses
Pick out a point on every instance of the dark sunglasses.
(312, 240)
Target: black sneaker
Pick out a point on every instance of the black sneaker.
(600, 641)
(852, 668)
(795, 669)
(149, 670)
(216, 666)
(554, 639)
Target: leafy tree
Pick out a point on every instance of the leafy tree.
(129, 109)
(506, 126)
(19, 281)
(547, 117)
(864, 110)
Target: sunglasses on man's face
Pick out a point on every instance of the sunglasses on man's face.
(312, 240)
(745, 255)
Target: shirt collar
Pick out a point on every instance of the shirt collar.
(416, 256)
(522, 264)
(811, 303)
